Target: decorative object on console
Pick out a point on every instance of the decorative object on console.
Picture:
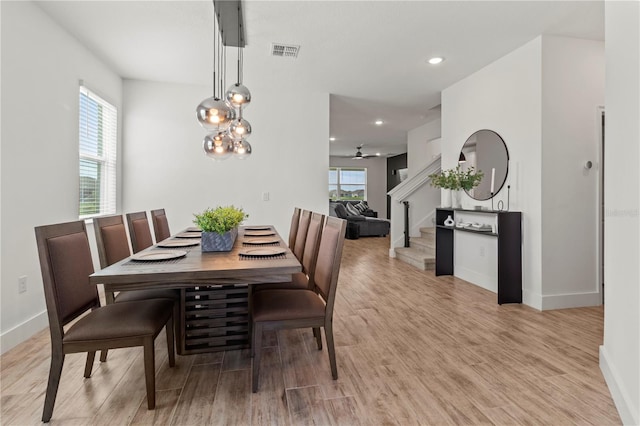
(224, 117)
(449, 221)
(452, 181)
(487, 152)
(219, 227)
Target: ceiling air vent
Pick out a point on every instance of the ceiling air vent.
(284, 50)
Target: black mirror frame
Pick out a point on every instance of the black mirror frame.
(506, 150)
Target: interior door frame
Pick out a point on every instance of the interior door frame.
(600, 110)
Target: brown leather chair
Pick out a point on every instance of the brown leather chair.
(65, 262)
(113, 246)
(139, 231)
(281, 309)
(304, 279)
(301, 234)
(160, 225)
(293, 229)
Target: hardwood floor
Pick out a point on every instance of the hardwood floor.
(411, 349)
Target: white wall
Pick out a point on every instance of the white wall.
(505, 97)
(423, 145)
(376, 180)
(620, 354)
(572, 90)
(41, 67)
(164, 165)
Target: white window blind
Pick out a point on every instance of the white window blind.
(98, 140)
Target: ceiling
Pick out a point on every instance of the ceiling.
(371, 56)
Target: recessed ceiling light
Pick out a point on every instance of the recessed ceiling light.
(332, 139)
(436, 60)
(379, 122)
(378, 154)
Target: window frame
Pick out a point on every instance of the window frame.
(106, 162)
(339, 186)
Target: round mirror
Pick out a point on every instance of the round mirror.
(485, 151)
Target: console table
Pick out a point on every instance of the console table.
(507, 228)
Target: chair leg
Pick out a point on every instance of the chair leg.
(249, 307)
(103, 355)
(257, 349)
(328, 332)
(89, 365)
(150, 372)
(170, 341)
(318, 335)
(55, 371)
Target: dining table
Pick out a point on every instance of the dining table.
(214, 286)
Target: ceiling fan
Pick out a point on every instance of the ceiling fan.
(359, 155)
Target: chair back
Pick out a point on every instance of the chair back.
(293, 230)
(312, 244)
(111, 239)
(301, 234)
(160, 225)
(139, 231)
(328, 261)
(65, 262)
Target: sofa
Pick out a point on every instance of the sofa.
(368, 226)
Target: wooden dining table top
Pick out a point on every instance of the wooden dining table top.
(198, 268)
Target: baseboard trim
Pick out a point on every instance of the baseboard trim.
(18, 334)
(532, 299)
(475, 278)
(574, 300)
(392, 252)
(618, 394)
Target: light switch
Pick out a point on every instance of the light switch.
(265, 196)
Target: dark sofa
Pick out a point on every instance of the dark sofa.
(368, 226)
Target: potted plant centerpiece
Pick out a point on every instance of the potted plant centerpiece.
(219, 227)
(452, 181)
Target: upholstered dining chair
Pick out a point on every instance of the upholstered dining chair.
(113, 246)
(293, 229)
(301, 234)
(283, 309)
(139, 231)
(304, 279)
(65, 262)
(160, 224)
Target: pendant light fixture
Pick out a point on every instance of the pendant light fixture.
(223, 117)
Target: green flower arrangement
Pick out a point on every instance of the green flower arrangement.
(220, 219)
(457, 178)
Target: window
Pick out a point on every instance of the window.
(98, 139)
(347, 183)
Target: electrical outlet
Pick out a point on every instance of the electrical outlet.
(481, 251)
(22, 284)
(265, 196)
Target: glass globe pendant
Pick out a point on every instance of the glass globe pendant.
(215, 114)
(218, 146)
(238, 95)
(241, 149)
(239, 129)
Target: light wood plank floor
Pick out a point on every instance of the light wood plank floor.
(411, 349)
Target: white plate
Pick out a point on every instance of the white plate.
(262, 241)
(259, 233)
(183, 242)
(159, 255)
(194, 229)
(189, 235)
(263, 251)
(257, 228)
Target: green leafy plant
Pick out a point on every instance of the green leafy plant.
(220, 219)
(457, 178)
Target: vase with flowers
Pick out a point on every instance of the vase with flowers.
(451, 181)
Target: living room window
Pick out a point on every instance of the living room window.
(97, 166)
(347, 183)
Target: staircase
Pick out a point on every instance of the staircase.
(421, 252)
